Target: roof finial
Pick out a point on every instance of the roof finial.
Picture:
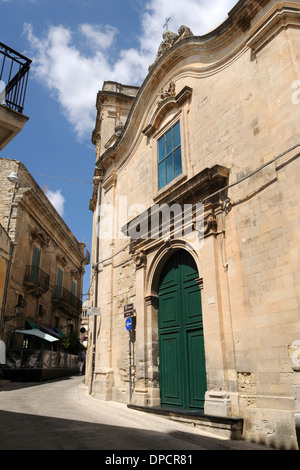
(166, 25)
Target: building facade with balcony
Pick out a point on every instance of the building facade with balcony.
(196, 230)
(44, 290)
(14, 71)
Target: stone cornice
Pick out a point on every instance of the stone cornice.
(228, 41)
(282, 15)
(44, 214)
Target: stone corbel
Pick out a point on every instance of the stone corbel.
(140, 260)
(109, 182)
(211, 225)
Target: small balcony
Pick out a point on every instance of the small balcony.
(66, 301)
(14, 71)
(36, 281)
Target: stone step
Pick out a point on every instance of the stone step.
(231, 428)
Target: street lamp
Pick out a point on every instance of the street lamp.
(18, 311)
(13, 177)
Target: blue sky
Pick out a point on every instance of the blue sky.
(76, 45)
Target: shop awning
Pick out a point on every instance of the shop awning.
(40, 334)
(31, 324)
(60, 332)
(48, 330)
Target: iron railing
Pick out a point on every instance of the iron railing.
(14, 70)
(60, 294)
(36, 277)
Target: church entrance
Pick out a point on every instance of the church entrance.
(181, 342)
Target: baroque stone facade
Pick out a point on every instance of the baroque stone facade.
(214, 127)
(46, 264)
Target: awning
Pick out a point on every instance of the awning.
(60, 332)
(38, 333)
(31, 324)
(48, 330)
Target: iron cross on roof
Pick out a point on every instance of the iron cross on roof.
(166, 25)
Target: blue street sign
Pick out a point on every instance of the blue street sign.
(128, 324)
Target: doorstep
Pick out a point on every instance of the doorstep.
(231, 428)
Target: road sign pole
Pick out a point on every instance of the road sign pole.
(130, 384)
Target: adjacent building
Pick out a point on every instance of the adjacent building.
(197, 226)
(14, 71)
(43, 289)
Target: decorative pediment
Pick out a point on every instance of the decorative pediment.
(75, 273)
(62, 259)
(167, 101)
(202, 191)
(36, 235)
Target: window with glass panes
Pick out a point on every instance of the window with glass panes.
(169, 156)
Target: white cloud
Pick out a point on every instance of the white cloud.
(74, 77)
(56, 199)
(98, 36)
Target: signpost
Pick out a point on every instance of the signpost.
(129, 325)
(93, 311)
(128, 310)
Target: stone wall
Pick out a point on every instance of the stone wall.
(234, 100)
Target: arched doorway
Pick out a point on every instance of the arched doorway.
(181, 342)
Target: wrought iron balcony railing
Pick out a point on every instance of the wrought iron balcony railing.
(65, 297)
(14, 70)
(36, 278)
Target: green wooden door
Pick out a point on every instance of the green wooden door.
(59, 283)
(181, 341)
(73, 293)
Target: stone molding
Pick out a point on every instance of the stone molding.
(167, 101)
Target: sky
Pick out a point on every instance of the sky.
(76, 45)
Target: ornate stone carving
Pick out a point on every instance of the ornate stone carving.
(36, 235)
(97, 144)
(166, 93)
(169, 39)
(139, 260)
(119, 128)
(211, 223)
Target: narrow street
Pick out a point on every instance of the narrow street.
(60, 415)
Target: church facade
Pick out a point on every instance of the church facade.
(196, 227)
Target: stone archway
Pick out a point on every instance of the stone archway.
(187, 328)
(182, 371)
